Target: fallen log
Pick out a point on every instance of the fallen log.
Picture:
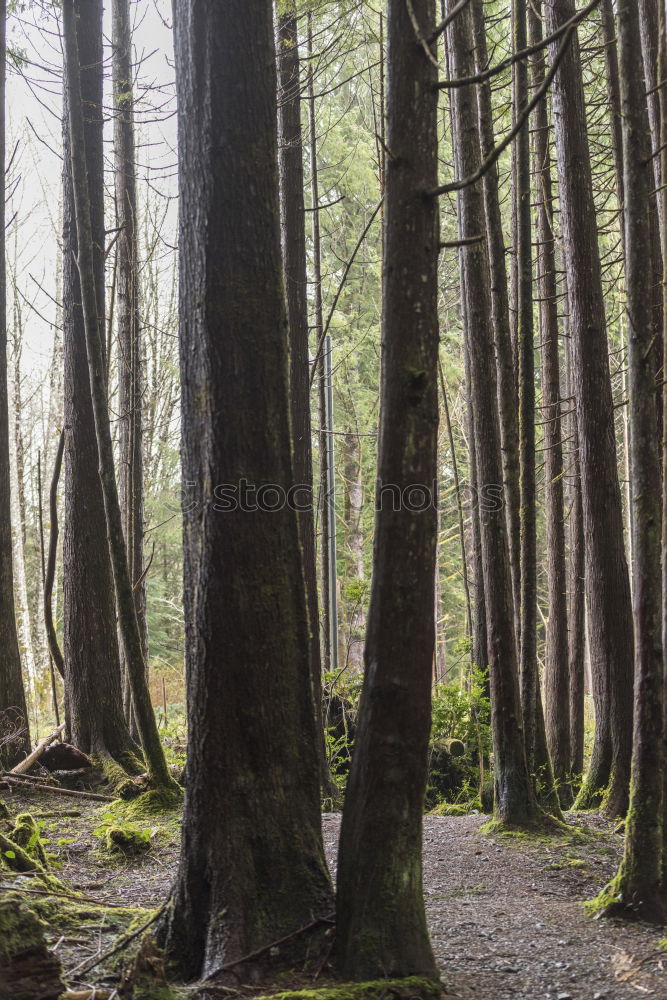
(13, 782)
(33, 757)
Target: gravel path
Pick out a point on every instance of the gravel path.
(507, 920)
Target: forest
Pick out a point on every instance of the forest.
(333, 499)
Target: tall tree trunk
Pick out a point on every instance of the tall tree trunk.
(525, 353)
(90, 645)
(290, 161)
(514, 801)
(556, 673)
(128, 322)
(607, 581)
(252, 867)
(638, 885)
(354, 550)
(576, 615)
(93, 326)
(323, 506)
(507, 397)
(12, 693)
(381, 923)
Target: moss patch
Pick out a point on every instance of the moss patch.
(155, 802)
(412, 988)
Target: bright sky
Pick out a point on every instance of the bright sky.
(34, 132)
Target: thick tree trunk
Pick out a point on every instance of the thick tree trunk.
(639, 880)
(94, 339)
(556, 673)
(290, 161)
(515, 802)
(12, 693)
(381, 923)
(607, 582)
(128, 321)
(252, 866)
(90, 645)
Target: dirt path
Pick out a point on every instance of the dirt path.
(506, 915)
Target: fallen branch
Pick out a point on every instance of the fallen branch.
(329, 919)
(56, 789)
(102, 903)
(33, 757)
(123, 943)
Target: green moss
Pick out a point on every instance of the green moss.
(568, 862)
(4, 811)
(26, 834)
(411, 988)
(546, 828)
(607, 902)
(457, 809)
(152, 803)
(20, 929)
(68, 914)
(127, 840)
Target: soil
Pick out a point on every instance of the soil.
(506, 912)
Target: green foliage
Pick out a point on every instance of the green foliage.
(463, 713)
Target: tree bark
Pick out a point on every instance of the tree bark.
(290, 162)
(514, 800)
(506, 375)
(381, 922)
(639, 880)
(128, 323)
(252, 867)
(607, 582)
(556, 673)
(90, 645)
(94, 339)
(12, 693)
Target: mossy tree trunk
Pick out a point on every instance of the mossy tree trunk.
(96, 373)
(607, 580)
(252, 866)
(12, 693)
(381, 922)
(514, 800)
(639, 880)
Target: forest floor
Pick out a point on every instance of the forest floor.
(506, 912)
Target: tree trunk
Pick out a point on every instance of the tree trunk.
(381, 923)
(252, 867)
(608, 587)
(90, 645)
(290, 162)
(355, 600)
(128, 321)
(639, 880)
(576, 615)
(514, 801)
(94, 338)
(12, 693)
(556, 673)
(507, 397)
